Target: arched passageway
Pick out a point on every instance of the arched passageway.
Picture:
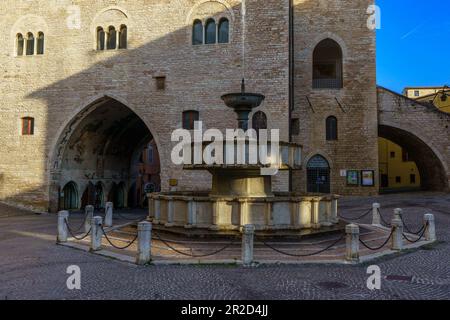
(100, 151)
(69, 196)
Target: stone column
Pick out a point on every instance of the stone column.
(109, 214)
(63, 217)
(144, 243)
(430, 227)
(243, 211)
(315, 214)
(170, 213)
(247, 245)
(269, 217)
(398, 213)
(334, 210)
(96, 234)
(157, 211)
(151, 209)
(192, 214)
(397, 236)
(305, 208)
(376, 219)
(216, 206)
(89, 214)
(327, 213)
(352, 243)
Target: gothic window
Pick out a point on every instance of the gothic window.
(123, 37)
(210, 31)
(27, 126)
(197, 33)
(30, 44)
(189, 118)
(318, 175)
(112, 38)
(331, 129)
(224, 27)
(40, 43)
(20, 44)
(100, 38)
(327, 65)
(259, 121)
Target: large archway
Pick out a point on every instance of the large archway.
(432, 173)
(98, 151)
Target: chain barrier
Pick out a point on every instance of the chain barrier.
(82, 223)
(424, 229)
(303, 255)
(377, 248)
(357, 218)
(387, 224)
(409, 230)
(166, 243)
(72, 232)
(113, 245)
(129, 219)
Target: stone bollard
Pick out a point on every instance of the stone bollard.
(63, 216)
(352, 243)
(109, 214)
(96, 234)
(398, 213)
(144, 243)
(430, 227)
(397, 235)
(376, 219)
(248, 234)
(89, 214)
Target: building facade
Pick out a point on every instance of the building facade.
(88, 86)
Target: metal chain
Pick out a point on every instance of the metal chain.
(113, 245)
(166, 242)
(82, 223)
(382, 219)
(408, 230)
(129, 219)
(358, 218)
(420, 237)
(73, 235)
(303, 255)
(377, 248)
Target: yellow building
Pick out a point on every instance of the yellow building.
(437, 96)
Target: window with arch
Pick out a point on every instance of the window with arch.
(27, 126)
(224, 30)
(327, 65)
(197, 33)
(112, 38)
(100, 38)
(69, 196)
(40, 43)
(210, 31)
(331, 128)
(189, 119)
(20, 43)
(318, 175)
(123, 35)
(259, 121)
(30, 44)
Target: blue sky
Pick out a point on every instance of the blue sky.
(413, 44)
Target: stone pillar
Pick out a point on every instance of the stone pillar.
(327, 214)
(315, 214)
(334, 210)
(243, 210)
(89, 214)
(398, 213)
(376, 219)
(216, 206)
(144, 243)
(151, 208)
(192, 214)
(96, 234)
(352, 243)
(269, 216)
(63, 217)
(248, 234)
(157, 211)
(397, 235)
(430, 227)
(305, 208)
(170, 213)
(109, 214)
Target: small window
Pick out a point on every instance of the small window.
(405, 155)
(398, 179)
(295, 127)
(197, 33)
(224, 30)
(30, 44)
(123, 37)
(160, 83)
(40, 43)
(259, 121)
(112, 38)
(210, 31)
(416, 93)
(189, 119)
(20, 44)
(327, 65)
(331, 129)
(100, 38)
(27, 126)
(412, 178)
(392, 154)
(150, 154)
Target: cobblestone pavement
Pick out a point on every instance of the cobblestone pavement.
(33, 267)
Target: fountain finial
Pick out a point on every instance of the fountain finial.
(243, 86)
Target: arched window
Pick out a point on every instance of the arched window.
(331, 128)
(327, 65)
(189, 117)
(123, 34)
(20, 44)
(30, 44)
(70, 196)
(318, 175)
(224, 30)
(197, 33)
(100, 38)
(27, 126)
(210, 31)
(112, 38)
(259, 121)
(40, 43)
